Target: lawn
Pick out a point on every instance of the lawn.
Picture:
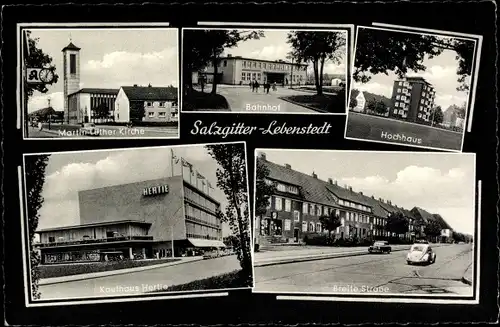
(234, 279)
(367, 127)
(196, 100)
(323, 103)
(60, 270)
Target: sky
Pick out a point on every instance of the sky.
(442, 183)
(273, 46)
(68, 173)
(110, 58)
(441, 73)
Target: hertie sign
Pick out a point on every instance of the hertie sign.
(155, 190)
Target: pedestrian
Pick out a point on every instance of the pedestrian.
(267, 86)
(40, 125)
(251, 85)
(256, 86)
(274, 86)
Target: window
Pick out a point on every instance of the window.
(258, 76)
(225, 63)
(400, 83)
(341, 202)
(243, 75)
(311, 209)
(305, 207)
(419, 115)
(281, 188)
(403, 98)
(72, 63)
(162, 114)
(422, 101)
(52, 239)
(296, 215)
(278, 205)
(161, 104)
(149, 104)
(151, 114)
(288, 224)
(400, 112)
(268, 206)
(318, 227)
(304, 226)
(398, 97)
(311, 227)
(288, 205)
(399, 90)
(395, 111)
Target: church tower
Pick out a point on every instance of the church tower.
(71, 64)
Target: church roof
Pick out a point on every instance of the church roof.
(71, 46)
(97, 91)
(141, 93)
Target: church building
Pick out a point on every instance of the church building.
(121, 105)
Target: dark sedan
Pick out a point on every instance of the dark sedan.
(380, 247)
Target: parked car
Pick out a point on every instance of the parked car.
(421, 242)
(380, 247)
(420, 254)
(89, 129)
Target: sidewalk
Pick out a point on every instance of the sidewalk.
(71, 278)
(467, 277)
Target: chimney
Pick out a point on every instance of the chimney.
(229, 55)
(373, 197)
(262, 155)
(361, 193)
(336, 183)
(149, 85)
(389, 201)
(288, 166)
(350, 188)
(135, 85)
(330, 181)
(314, 175)
(381, 200)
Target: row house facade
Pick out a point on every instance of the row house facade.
(299, 200)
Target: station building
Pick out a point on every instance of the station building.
(145, 219)
(300, 199)
(122, 105)
(241, 71)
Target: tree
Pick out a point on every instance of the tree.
(330, 222)
(204, 46)
(35, 179)
(232, 240)
(397, 223)
(432, 228)
(137, 111)
(317, 48)
(101, 111)
(437, 115)
(380, 107)
(263, 189)
(353, 103)
(37, 59)
(232, 180)
(379, 51)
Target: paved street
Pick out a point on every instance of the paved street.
(142, 281)
(241, 97)
(372, 273)
(106, 132)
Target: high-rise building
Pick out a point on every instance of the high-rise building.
(412, 100)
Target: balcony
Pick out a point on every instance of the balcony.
(202, 207)
(205, 237)
(95, 241)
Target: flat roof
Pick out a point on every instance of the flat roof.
(263, 60)
(106, 223)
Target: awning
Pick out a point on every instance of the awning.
(202, 243)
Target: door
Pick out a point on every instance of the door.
(296, 235)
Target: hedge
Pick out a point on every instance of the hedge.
(234, 279)
(59, 270)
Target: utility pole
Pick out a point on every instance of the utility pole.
(50, 114)
(172, 240)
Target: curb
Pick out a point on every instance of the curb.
(465, 279)
(316, 257)
(73, 278)
(303, 105)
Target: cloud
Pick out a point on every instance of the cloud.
(121, 68)
(271, 52)
(375, 88)
(429, 188)
(60, 191)
(39, 101)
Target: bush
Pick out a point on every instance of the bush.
(256, 247)
(196, 100)
(60, 270)
(142, 123)
(234, 279)
(318, 239)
